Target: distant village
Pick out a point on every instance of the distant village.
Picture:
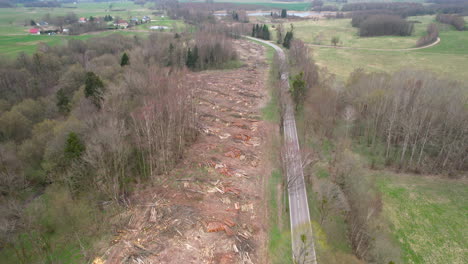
(73, 25)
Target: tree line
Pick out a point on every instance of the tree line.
(261, 31)
(455, 20)
(412, 120)
(432, 34)
(381, 25)
(284, 39)
(408, 9)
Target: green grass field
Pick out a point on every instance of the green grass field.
(14, 36)
(449, 58)
(10, 46)
(429, 217)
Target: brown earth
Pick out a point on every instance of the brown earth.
(211, 207)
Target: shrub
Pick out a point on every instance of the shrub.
(431, 36)
(124, 60)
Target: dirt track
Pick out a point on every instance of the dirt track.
(371, 49)
(210, 209)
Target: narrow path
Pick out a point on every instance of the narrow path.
(371, 49)
(301, 228)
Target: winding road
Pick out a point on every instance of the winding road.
(301, 228)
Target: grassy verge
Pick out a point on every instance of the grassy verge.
(271, 111)
(428, 216)
(279, 235)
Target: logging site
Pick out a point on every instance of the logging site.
(233, 131)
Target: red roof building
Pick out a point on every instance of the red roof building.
(34, 31)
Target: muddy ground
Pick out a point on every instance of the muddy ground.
(211, 207)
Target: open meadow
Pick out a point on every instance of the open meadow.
(428, 216)
(449, 58)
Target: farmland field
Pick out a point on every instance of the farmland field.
(428, 217)
(14, 37)
(449, 58)
(14, 24)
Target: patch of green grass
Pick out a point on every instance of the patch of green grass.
(279, 241)
(232, 64)
(173, 25)
(308, 31)
(428, 216)
(271, 111)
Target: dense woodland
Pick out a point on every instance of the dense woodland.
(87, 121)
(384, 25)
(370, 24)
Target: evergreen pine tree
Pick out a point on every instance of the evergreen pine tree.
(125, 60)
(189, 61)
(284, 13)
(266, 32)
(63, 102)
(195, 56)
(171, 54)
(287, 39)
(94, 88)
(74, 147)
(298, 89)
(192, 57)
